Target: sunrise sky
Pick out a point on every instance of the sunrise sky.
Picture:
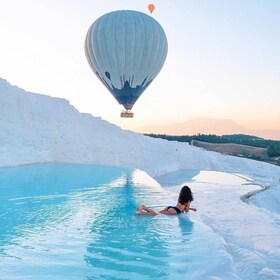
(223, 60)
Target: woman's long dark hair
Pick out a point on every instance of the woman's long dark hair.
(185, 195)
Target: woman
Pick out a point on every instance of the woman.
(184, 202)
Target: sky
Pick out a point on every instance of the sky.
(223, 59)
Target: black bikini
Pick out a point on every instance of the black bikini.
(175, 208)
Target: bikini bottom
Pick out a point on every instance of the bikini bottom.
(175, 208)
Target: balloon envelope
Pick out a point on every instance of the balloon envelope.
(151, 7)
(126, 50)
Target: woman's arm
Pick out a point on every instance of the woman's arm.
(187, 207)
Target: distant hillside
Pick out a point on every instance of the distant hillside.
(256, 153)
(237, 145)
(208, 126)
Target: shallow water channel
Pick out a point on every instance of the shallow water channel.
(73, 221)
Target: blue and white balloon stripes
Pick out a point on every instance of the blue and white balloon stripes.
(126, 50)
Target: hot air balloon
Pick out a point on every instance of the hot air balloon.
(151, 7)
(126, 50)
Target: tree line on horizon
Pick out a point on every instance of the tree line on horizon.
(273, 146)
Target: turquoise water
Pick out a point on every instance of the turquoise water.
(69, 221)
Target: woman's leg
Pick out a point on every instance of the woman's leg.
(143, 210)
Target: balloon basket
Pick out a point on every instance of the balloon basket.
(126, 114)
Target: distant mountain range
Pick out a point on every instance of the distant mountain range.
(209, 126)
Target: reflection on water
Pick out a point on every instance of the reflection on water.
(203, 176)
(67, 221)
(136, 247)
(216, 177)
(177, 177)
